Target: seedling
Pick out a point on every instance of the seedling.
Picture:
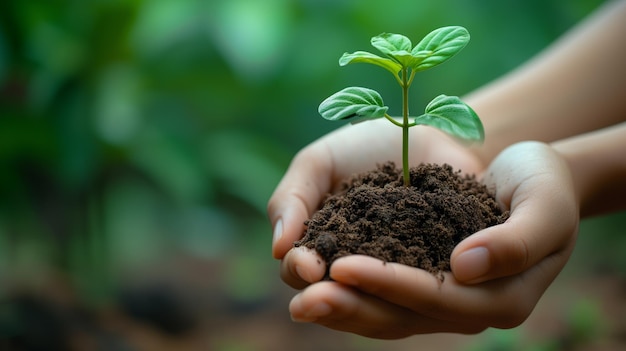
(447, 113)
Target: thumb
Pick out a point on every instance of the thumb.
(296, 197)
(536, 184)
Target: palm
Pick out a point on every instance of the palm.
(359, 148)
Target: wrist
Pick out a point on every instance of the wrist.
(598, 167)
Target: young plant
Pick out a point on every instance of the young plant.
(447, 113)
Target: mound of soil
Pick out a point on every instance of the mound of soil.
(375, 214)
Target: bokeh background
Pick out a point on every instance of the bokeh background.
(140, 141)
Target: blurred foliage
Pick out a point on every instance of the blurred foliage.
(583, 328)
(135, 131)
(603, 243)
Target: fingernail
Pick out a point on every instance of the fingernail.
(472, 264)
(278, 231)
(303, 274)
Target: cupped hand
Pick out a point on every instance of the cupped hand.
(319, 168)
(498, 274)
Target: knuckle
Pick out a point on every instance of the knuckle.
(515, 258)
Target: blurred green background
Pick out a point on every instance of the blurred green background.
(140, 140)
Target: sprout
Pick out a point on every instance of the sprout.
(447, 113)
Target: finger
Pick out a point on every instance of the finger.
(301, 267)
(342, 308)
(535, 183)
(298, 194)
(502, 303)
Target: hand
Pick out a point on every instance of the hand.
(498, 274)
(319, 168)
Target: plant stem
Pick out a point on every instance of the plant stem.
(405, 126)
(392, 120)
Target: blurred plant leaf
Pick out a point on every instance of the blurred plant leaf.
(118, 104)
(244, 164)
(169, 159)
(251, 35)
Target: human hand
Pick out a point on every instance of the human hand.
(319, 168)
(498, 274)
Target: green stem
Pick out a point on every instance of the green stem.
(405, 126)
(398, 79)
(411, 79)
(392, 120)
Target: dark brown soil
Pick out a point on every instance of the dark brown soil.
(375, 214)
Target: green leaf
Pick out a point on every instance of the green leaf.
(390, 43)
(440, 45)
(355, 104)
(453, 116)
(367, 57)
(396, 46)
